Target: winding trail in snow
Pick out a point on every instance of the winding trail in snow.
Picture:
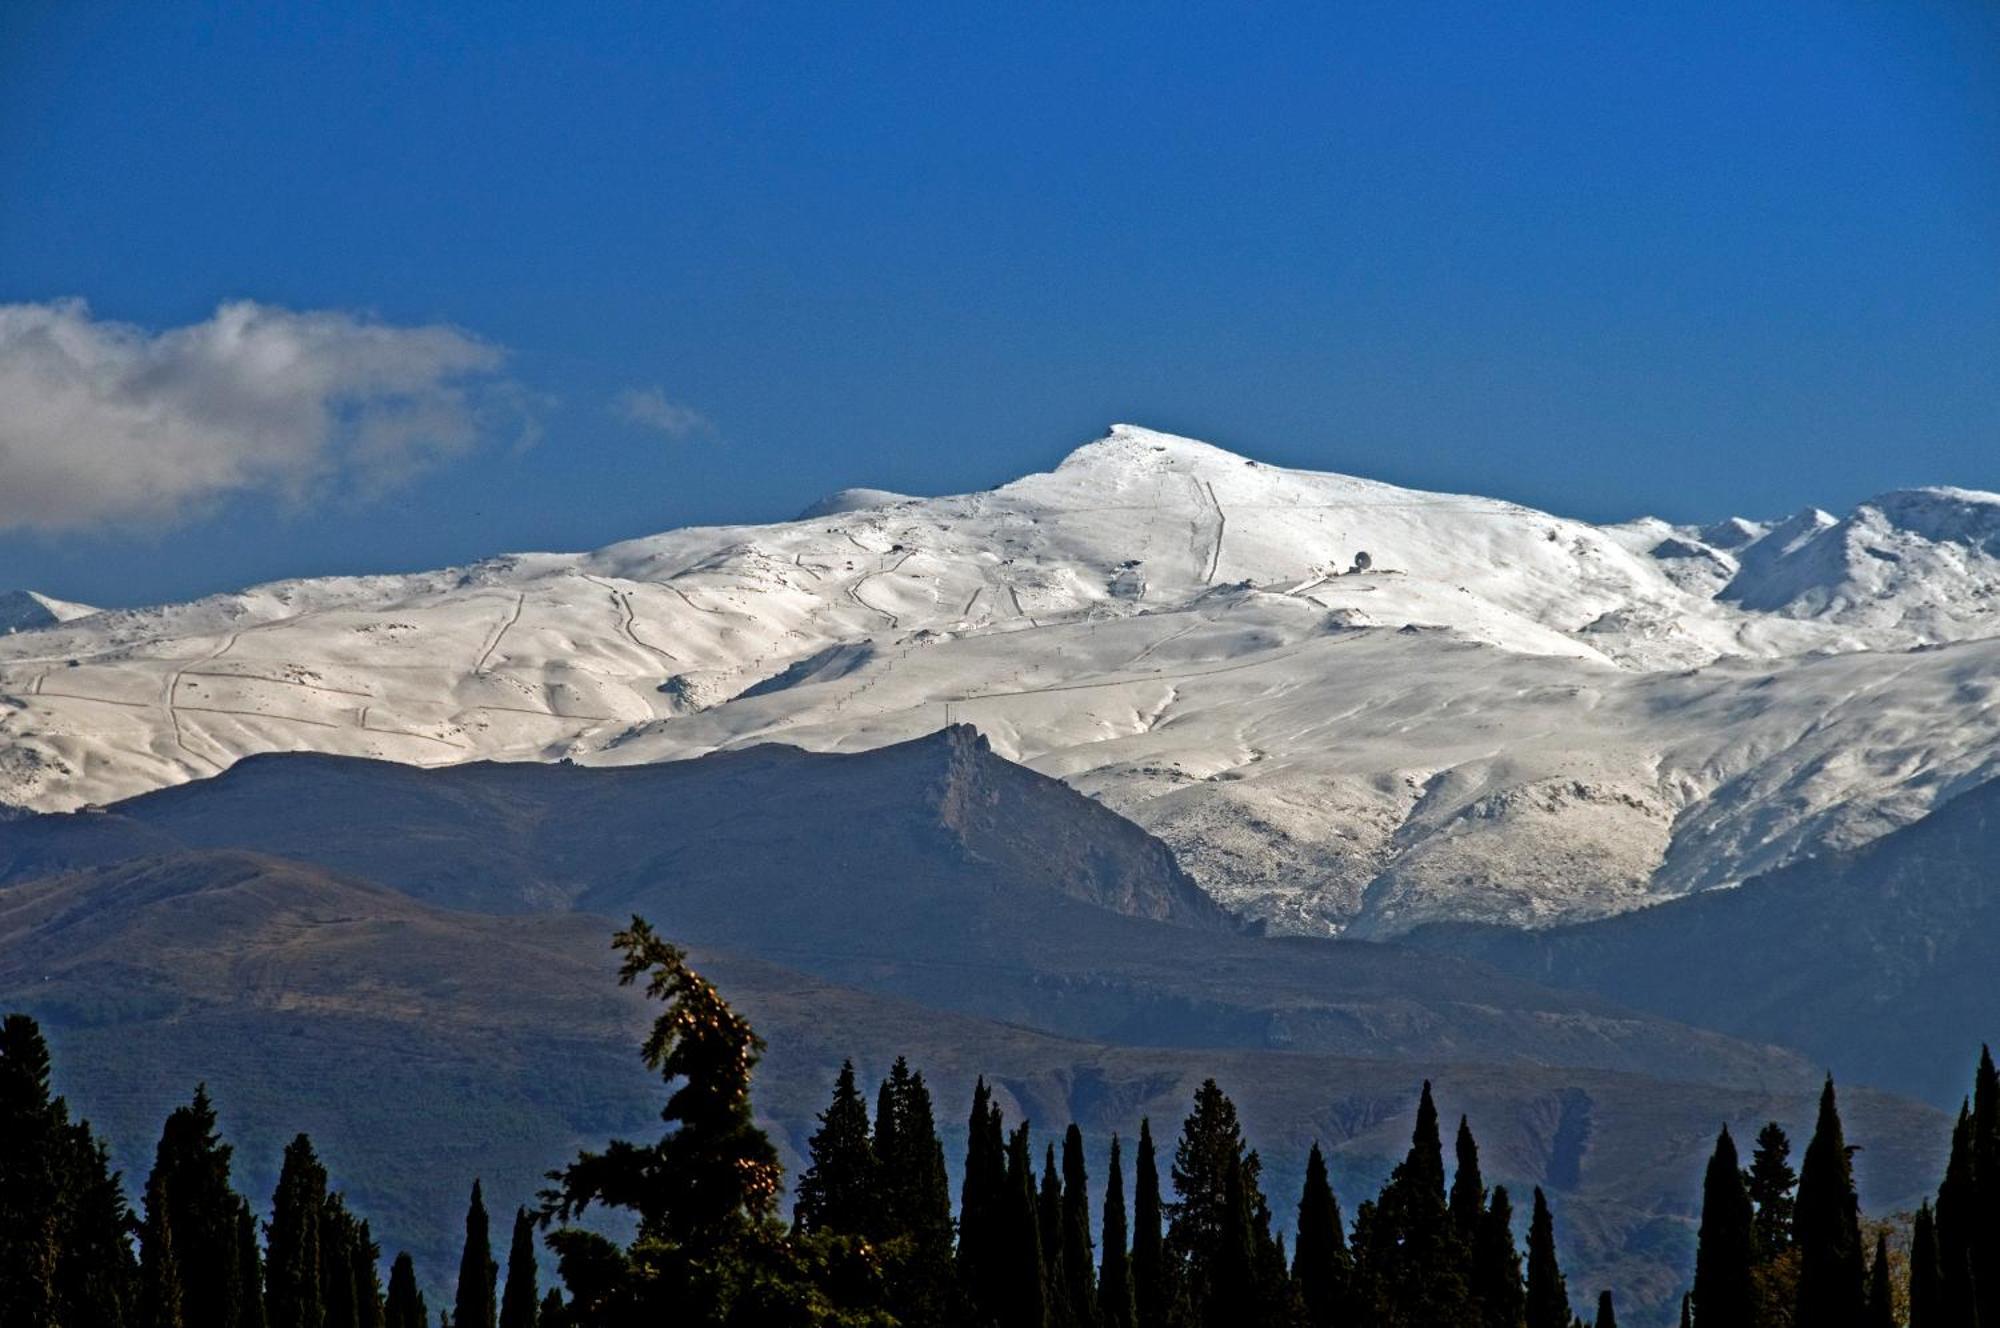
(520, 601)
(628, 619)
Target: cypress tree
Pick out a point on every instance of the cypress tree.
(553, 1313)
(339, 1239)
(1231, 1296)
(1984, 1245)
(837, 1194)
(1769, 1183)
(1926, 1282)
(1021, 1289)
(292, 1291)
(1687, 1310)
(249, 1270)
(1607, 1315)
(1826, 1224)
(1726, 1247)
(160, 1297)
(1496, 1266)
(192, 1165)
(1319, 1258)
(367, 1277)
(1468, 1188)
(981, 1199)
(1548, 1296)
(518, 1302)
(1881, 1299)
(1956, 1217)
(1413, 1264)
(1048, 1225)
(477, 1273)
(913, 1219)
(405, 1307)
(1116, 1307)
(1078, 1255)
(1152, 1276)
(1211, 1138)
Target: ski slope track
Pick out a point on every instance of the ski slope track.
(1504, 715)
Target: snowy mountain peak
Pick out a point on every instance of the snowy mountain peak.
(1941, 514)
(26, 610)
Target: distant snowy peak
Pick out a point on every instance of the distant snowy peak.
(1926, 560)
(853, 500)
(25, 610)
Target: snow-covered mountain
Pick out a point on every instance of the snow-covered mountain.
(25, 610)
(1495, 713)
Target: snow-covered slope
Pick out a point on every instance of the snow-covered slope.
(25, 610)
(1496, 713)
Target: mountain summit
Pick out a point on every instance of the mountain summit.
(1346, 705)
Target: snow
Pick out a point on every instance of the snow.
(26, 610)
(1510, 715)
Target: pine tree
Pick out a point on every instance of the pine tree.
(1211, 1139)
(1827, 1226)
(1726, 1247)
(1022, 1289)
(1319, 1258)
(1116, 1307)
(1607, 1314)
(1769, 1183)
(405, 1307)
(1926, 1282)
(518, 1303)
(292, 1292)
(1152, 1275)
(477, 1273)
(1548, 1295)
(1881, 1299)
(1496, 1266)
(837, 1195)
(249, 1270)
(1078, 1254)
(1468, 1188)
(161, 1301)
(192, 1165)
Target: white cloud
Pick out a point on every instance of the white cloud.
(649, 407)
(102, 421)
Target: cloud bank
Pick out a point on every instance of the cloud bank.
(649, 408)
(104, 422)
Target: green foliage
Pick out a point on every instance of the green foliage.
(839, 1194)
(912, 1224)
(982, 1200)
(1548, 1294)
(249, 1270)
(1769, 1183)
(1021, 1295)
(1726, 1252)
(191, 1174)
(1881, 1291)
(1410, 1264)
(518, 1306)
(1320, 1262)
(293, 1292)
(1153, 1274)
(1115, 1305)
(477, 1273)
(1079, 1281)
(1827, 1228)
(1468, 1187)
(1496, 1285)
(1926, 1293)
(405, 1306)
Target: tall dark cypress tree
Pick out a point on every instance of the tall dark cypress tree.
(1152, 1275)
(405, 1306)
(1832, 1291)
(1984, 1249)
(1411, 1263)
(1769, 1183)
(553, 1313)
(249, 1270)
(1116, 1307)
(292, 1289)
(1881, 1299)
(1048, 1224)
(913, 1222)
(1496, 1266)
(1726, 1249)
(1926, 1282)
(837, 1194)
(477, 1272)
(1468, 1188)
(979, 1200)
(161, 1300)
(192, 1165)
(1607, 1313)
(1078, 1253)
(1021, 1289)
(1957, 1219)
(519, 1302)
(1548, 1294)
(1232, 1295)
(1320, 1264)
(339, 1256)
(367, 1277)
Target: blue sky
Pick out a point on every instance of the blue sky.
(710, 262)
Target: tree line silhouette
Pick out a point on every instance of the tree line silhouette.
(874, 1240)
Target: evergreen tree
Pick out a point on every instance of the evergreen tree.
(914, 1221)
(1548, 1296)
(1152, 1275)
(160, 1298)
(1769, 1183)
(1495, 1278)
(1468, 1188)
(1926, 1282)
(1827, 1226)
(1410, 1264)
(292, 1288)
(518, 1302)
(1021, 1289)
(982, 1199)
(347, 1267)
(1048, 1225)
(1607, 1315)
(249, 1270)
(553, 1313)
(1957, 1217)
(192, 1165)
(1116, 1307)
(1078, 1255)
(1320, 1264)
(1231, 1295)
(477, 1273)
(405, 1307)
(1687, 1310)
(1984, 1244)
(1881, 1299)
(837, 1195)
(1726, 1248)
(1211, 1140)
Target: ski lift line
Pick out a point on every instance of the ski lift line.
(1142, 678)
(1221, 526)
(629, 617)
(520, 602)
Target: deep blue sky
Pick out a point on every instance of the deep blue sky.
(1709, 258)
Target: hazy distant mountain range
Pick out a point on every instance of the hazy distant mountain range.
(1502, 715)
